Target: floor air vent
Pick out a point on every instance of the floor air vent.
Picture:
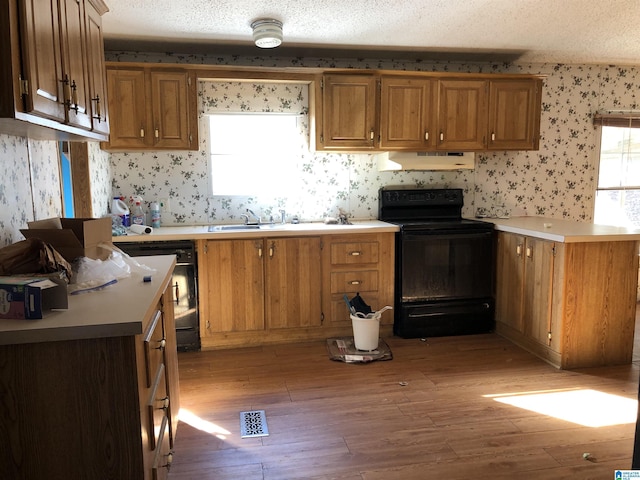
(253, 424)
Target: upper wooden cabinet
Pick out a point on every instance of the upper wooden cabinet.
(462, 114)
(514, 114)
(349, 112)
(52, 64)
(407, 113)
(429, 111)
(152, 109)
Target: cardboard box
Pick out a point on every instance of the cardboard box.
(74, 237)
(29, 298)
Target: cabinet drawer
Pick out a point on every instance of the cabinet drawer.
(154, 343)
(163, 456)
(351, 282)
(354, 253)
(157, 406)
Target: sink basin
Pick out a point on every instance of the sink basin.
(221, 228)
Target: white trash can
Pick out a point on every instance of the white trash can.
(366, 332)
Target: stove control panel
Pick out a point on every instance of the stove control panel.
(420, 197)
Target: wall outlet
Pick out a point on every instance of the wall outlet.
(165, 206)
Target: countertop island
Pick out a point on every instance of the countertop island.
(117, 310)
(92, 392)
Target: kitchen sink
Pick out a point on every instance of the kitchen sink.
(221, 228)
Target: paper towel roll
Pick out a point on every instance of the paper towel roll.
(140, 228)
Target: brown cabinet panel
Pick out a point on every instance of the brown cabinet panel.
(152, 109)
(97, 72)
(235, 286)
(510, 280)
(406, 113)
(42, 60)
(352, 282)
(294, 292)
(354, 253)
(349, 111)
(514, 114)
(462, 114)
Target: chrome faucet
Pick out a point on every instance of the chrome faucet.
(258, 220)
(245, 217)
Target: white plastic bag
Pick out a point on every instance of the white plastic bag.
(91, 274)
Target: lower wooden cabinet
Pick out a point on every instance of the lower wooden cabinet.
(282, 289)
(572, 304)
(91, 409)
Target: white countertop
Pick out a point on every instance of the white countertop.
(565, 231)
(201, 232)
(117, 310)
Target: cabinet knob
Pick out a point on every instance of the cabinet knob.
(355, 282)
(441, 136)
(157, 133)
(493, 137)
(519, 249)
(142, 133)
(162, 344)
(529, 252)
(426, 136)
(355, 253)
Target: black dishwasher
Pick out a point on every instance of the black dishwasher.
(184, 284)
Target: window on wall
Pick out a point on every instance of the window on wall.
(254, 153)
(618, 191)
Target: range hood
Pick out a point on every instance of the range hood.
(389, 161)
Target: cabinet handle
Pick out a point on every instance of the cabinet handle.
(355, 253)
(493, 137)
(74, 96)
(177, 293)
(529, 252)
(98, 110)
(426, 136)
(141, 132)
(272, 249)
(441, 136)
(519, 250)
(157, 133)
(259, 252)
(355, 282)
(162, 344)
(371, 134)
(165, 403)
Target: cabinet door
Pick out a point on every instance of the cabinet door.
(538, 297)
(235, 286)
(74, 63)
(294, 282)
(171, 109)
(514, 114)
(406, 113)
(128, 108)
(462, 114)
(349, 111)
(40, 35)
(97, 74)
(510, 280)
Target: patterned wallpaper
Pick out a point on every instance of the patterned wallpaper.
(556, 181)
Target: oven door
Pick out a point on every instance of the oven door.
(445, 264)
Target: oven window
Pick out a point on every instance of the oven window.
(446, 266)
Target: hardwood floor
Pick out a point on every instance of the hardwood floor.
(331, 420)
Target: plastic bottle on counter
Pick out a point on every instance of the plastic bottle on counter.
(137, 215)
(119, 208)
(154, 211)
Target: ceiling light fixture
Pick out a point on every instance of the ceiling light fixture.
(267, 32)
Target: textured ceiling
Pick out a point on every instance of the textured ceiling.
(557, 31)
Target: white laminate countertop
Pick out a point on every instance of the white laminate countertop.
(565, 231)
(117, 310)
(201, 232)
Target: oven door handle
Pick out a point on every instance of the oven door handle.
(445, 235)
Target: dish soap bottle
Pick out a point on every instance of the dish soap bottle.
(137, 215)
